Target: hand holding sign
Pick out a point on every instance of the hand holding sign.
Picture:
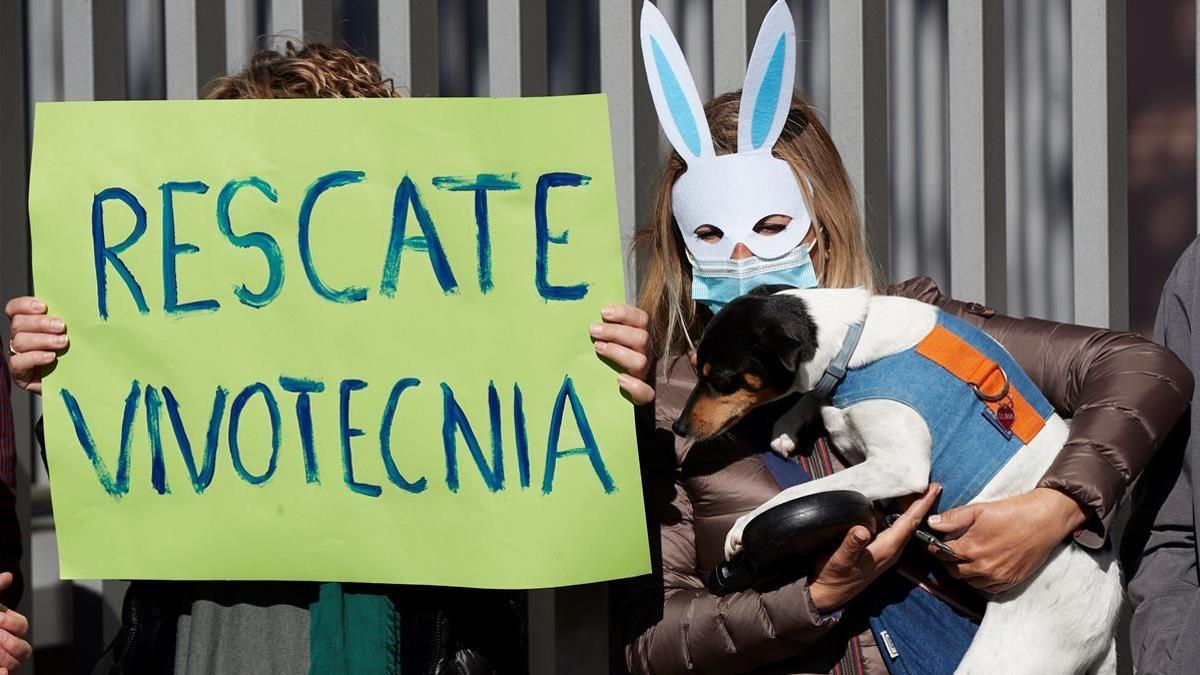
(36, 341)
(337, 340)
(623, 339)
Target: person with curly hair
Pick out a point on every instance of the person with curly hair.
(314, 70)
(289, 627)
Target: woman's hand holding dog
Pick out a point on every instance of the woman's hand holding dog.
(622, 339)
(1001, 543)
(859, 561)
(36, 341)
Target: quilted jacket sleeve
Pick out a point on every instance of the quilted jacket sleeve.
(1123, 392)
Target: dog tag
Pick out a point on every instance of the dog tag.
(1005, 415)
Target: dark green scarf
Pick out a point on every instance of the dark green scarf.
(353, 631)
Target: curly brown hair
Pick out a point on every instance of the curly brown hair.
(312, 70)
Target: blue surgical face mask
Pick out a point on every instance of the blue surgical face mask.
(716, 282)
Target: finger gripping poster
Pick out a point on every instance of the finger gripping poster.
(335, 340)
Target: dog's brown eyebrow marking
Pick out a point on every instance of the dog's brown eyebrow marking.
(753, 382)
(706, 369)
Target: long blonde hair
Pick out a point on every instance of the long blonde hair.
(839, 251)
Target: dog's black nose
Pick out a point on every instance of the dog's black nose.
(680, 427)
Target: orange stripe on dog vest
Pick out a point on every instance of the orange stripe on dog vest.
(967, 364)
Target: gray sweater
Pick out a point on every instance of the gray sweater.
(1159, 549)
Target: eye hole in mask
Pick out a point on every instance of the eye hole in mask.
(773, 224)
(709, 234)
(768, 226)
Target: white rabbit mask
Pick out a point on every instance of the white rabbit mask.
(731, 192)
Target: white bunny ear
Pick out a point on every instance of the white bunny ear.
(675, 97)
(767, 89)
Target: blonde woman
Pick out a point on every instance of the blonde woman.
(1123, 393)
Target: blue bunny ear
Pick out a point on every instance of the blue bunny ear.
(674, 91)
(767, 89)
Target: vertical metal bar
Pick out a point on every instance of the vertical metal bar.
(1098, 161)
(1050, 241)
(43, 52)
(78, 78)
(932, 124)
(1038, 134)
(240, 32)
(211, 49)
(112, 594)
(42, 70)
(393, 39)
(734, 26)
(812, 66)
(858, 102)
(457, 69)
(516, 47)
(632, 121)
(571, 36)
(581, 621)
(317, 20)
(905, 75)
(539, 613)
(408, 45)
(14, 247)
(977, 209)
(179, 25)
(287, 18)
(145, 45)
(108, 49)
(697, 42)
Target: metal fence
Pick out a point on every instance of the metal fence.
(1006, 119)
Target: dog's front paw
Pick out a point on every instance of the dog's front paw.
(733, 540)
(784, 445)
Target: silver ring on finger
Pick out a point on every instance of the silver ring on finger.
(11, 350)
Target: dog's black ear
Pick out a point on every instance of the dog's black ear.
(770, 289)
(788, 332)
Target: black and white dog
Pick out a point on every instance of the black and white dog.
(773, 343)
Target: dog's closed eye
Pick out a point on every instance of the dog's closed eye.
(726, 385)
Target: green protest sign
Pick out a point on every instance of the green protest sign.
(335, 340)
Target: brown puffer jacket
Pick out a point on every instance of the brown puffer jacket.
(1123, 393)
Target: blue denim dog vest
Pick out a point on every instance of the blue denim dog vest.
(916, 632)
